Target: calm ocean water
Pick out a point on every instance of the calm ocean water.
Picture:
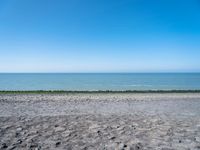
(98, 81)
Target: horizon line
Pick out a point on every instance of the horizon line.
(92, 72)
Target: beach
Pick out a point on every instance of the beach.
(130, 121)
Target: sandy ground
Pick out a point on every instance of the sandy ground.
(100, 121)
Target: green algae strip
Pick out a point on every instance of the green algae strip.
(99, 91)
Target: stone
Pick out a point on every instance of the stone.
(16, 134)
(98, 131)
(138, 146)
(197, 139)
(59, 129)
(19, 129)
(198, 146)
(4, 145)
(33, 146)
(19, 141)
(121, 146)
(68, 147)
(56, 125)
(57, 144)
(12, 147)
(112, 138)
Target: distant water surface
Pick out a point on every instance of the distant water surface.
(100, 81)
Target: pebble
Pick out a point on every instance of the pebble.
(121, 146)
(57, 144)
(19, 129)
(4, 145)
(56, 125)
(112, 138)
(16, 134)
(33, 146)
(197, 139)
(198, 146)
(138, 146)
(12, 147)
(19, 141)
(59, 129)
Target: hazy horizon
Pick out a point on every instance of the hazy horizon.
(99, 72)
(106, 36)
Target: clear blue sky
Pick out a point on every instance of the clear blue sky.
(99, 36)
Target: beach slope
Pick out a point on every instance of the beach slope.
(134, 121)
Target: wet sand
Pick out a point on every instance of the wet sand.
(100, 121)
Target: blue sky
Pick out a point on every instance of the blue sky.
(99, 36)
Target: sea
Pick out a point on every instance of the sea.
(99, 81)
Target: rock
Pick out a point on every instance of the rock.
(33, 146)
(98, 131)
(198, 146)
(66, 133)
(112, 138)
(138, 146)
(93, 126)
(19, 141)
(12, 147)
(68, 147)
(121, 146)
(58, 129)
(19, 129)
(111, 146)
(4, 145)
(170, 132)
(56, 125)
(197, 139)
(16, 134)
(57, 144)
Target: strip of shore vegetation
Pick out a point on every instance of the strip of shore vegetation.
(99, 91)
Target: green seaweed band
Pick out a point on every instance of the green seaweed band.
(99, 91)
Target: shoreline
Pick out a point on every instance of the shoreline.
(93, 91)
